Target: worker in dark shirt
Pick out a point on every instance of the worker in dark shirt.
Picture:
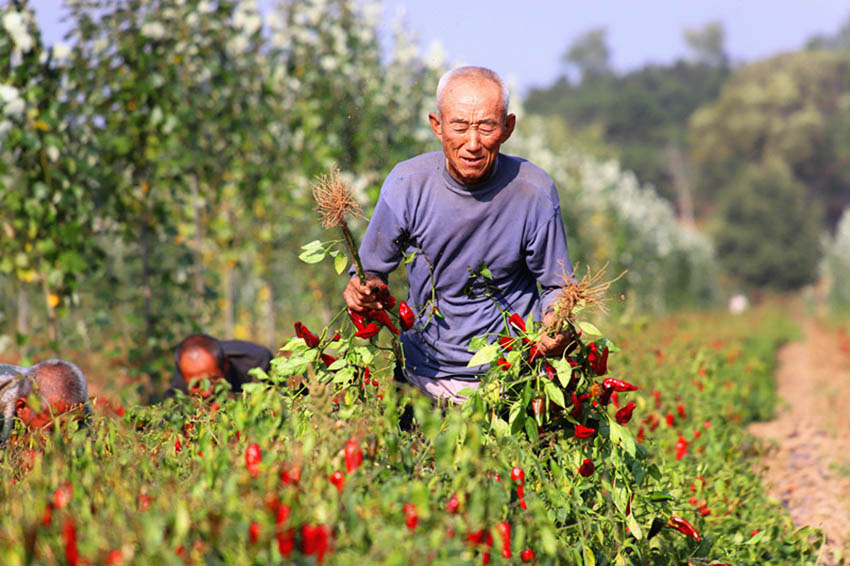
(201, 357)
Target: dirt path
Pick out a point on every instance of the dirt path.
(808, 467)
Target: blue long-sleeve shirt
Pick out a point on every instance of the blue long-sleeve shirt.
(510, 223)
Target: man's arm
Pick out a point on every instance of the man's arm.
(379, 252)
(549, 261)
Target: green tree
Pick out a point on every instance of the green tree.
(793, 108)
(589, 54)
(768, 234)
(708, 44)
(47, 198)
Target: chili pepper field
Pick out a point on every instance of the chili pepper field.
(309, 465)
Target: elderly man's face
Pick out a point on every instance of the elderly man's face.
(472, 127)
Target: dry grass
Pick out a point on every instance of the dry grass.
(334, 200)
(591, 291)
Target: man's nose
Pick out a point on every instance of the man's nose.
(473, 140)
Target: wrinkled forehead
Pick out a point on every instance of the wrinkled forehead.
(464, 93)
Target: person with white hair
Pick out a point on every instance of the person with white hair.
(455, 213)
(58, 385)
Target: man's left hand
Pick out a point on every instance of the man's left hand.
(553, 345)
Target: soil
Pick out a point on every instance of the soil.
(807, 464)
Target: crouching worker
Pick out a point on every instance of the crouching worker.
(200, 357)
(57, 386)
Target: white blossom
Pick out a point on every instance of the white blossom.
(329, 63)
(205, 7)
(16, 24)
(52, 153)
(61, 51)
(237, 44)
(13, 104)
(153, 30)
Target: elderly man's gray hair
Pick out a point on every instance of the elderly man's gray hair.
(472, 72)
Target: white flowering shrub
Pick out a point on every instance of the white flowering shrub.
(611, 219)
(835, 266)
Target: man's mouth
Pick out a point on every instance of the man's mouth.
(472, 160)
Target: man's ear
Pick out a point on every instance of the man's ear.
(20, 407)
(435, 125)
(510, 124)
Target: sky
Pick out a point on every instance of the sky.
(524, 39)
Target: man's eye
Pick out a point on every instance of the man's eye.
(486, 130)
(460, 129)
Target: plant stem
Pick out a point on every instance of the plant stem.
(352, 252)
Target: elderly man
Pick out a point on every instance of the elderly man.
(457, 211)
(201, 357)
(59, 386)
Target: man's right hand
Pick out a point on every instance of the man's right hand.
(359, 297)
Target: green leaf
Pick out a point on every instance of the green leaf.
(549, 541)
(477, 343)
(340, 263)
(553, 393)
(314, 252)
(634, 526)
(589, 329)
(565, 371)
(251, 388)
(622, 436)
(485, 355)
(500, 427)
(588, 556)
(408, 258)
(660, 496)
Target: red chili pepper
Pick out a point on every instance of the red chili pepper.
(290, 475)
(550, 371)
(69, 535)
(615, 400)
(353, 455)
(605, 395)
(357, 318)
(577, 405)
(533, 353)
(587, 468)
(598, 363)
(314, 540)
(453, 505)
(670, 420)
(537, 408)
(657, 395)
(681, 447)
(382, 317)
(527, 555)
(327, 359)
(410, 516)
(618, 385)
(368, 331)
(504, 363)
(518, 477)
(475, 537)
(624, 415)
(285, 541)
(582, 431)
(504, 530)
(681, 411)
(253, 456)
(281, 514)
(517, 322)
(338, 480)
(407, 316)
(683, 527)
(63, 495)
(506, 342)
(304, 333)
(254, 532)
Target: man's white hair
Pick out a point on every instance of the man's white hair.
(472, 72)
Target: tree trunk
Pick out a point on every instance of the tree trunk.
(229, 297)
(147, 293)
(678, 169)
(271, 340)
(198, 271)
(52, 333)
(23, 318)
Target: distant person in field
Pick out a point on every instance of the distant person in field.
(457, 210)
(58, 385)
(200, 357)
